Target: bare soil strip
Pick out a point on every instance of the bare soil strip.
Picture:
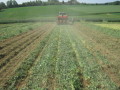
(98, 41)
(7, 71)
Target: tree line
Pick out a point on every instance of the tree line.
(13, 3)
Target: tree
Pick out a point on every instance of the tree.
(2, 5)
(63, 2)
(73, 2)
(117, 3)
(53, 1)
(14, 3)
(9, 3)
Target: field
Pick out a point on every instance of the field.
(111, 26)
(50, 12)
(47, 56)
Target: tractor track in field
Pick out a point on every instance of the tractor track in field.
(8, 70)
(12, 50)
(109, 69)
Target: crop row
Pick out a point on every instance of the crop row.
(22, 71)
(56, 67)
(42, 73)
(21, 53)
(62, 61)
(6, 44)
(92, 71)
(10, 40)
(9, 52)
(111, 26)
(113, 30)
(10, 30)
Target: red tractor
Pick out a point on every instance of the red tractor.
(62, 18)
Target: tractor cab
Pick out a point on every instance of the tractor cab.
(62, 14)
(62, 18)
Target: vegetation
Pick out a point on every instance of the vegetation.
(2, 6)
(64, 60)
(79, 12)
(111, 29)
(45, 56)
(12, 3)
(113, 3)
(111, 26)
(22, 71)
(7, 31)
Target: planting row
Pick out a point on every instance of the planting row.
(63, 60)
(17, 56)
(10, 30)
(10, 51)
(93, 73)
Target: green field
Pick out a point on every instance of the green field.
(69, 57)
(5, 29)
(49, 56)
(50, 12)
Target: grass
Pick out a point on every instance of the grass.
(50, 12)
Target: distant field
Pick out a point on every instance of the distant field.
(111, 29)
(111, 26)
(50, 12)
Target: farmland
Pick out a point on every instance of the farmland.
(60, 57)
(111, 26)
(17, 29)
(48, 56)
(77, 11)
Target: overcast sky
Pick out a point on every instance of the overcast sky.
(86, 1)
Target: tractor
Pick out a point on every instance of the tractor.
(62, 18)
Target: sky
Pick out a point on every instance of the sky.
(85, 1)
